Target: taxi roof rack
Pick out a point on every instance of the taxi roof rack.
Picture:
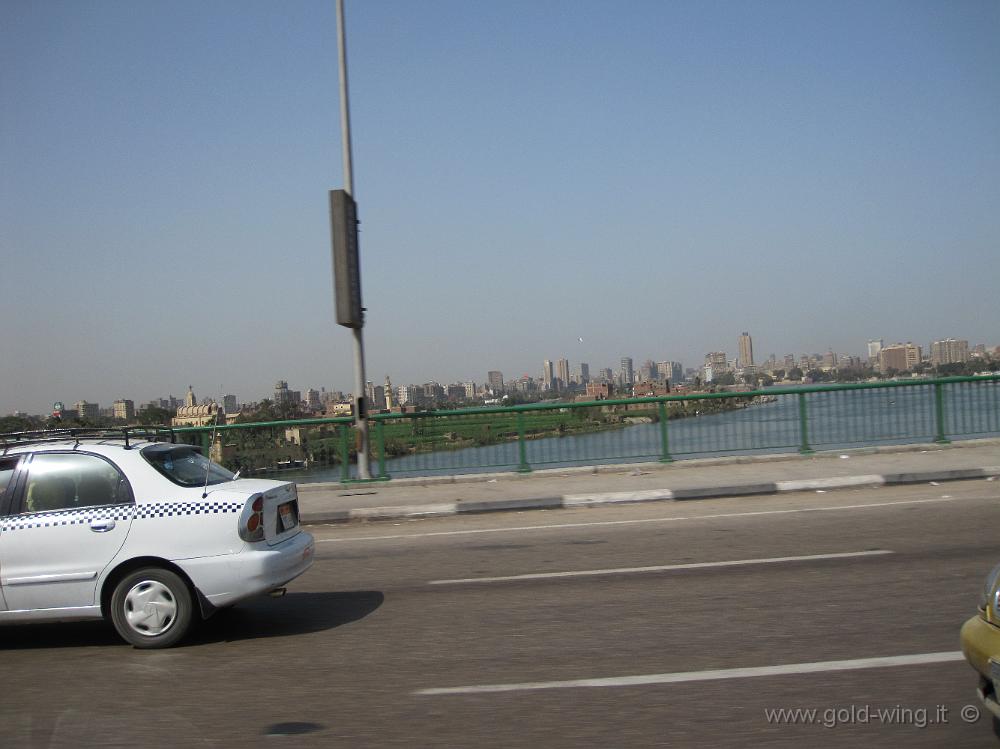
(145, 433)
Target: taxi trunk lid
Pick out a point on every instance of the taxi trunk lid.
(275, 505)
(281, 513)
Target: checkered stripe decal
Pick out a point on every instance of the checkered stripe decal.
(66, 517)
(146, 511)
(174, 509)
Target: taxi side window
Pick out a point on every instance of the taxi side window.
(7, 468)
(61, 481)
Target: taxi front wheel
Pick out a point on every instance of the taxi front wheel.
(151, 608)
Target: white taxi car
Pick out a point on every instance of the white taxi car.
(149, 534)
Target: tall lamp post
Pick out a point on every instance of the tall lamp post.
(346, 266)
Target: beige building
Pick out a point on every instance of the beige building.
(949, 351)
(902, 357)
(199, 416)
(341, 408)
(87, 410)
(124, 410)
(746, 350)
(193, 415)
(716, 360)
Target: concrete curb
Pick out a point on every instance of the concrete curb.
(658, 495)
(686, 463)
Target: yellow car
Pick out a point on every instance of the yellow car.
(981, 645)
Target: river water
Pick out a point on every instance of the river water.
(835, 420)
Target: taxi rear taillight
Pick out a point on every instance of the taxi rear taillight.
(252, 522)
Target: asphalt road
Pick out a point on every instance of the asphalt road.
(427, 633)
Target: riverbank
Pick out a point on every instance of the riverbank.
(556, 435)
(426, 433)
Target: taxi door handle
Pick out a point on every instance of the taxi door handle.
(102, 526)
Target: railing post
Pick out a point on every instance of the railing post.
(206, 443)
(664, 440)
(380, 442)
(345, 453)
(522, 447)
(941, 439)
(804, 426)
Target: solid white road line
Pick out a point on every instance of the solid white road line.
(918, 659)
(672, 519)
(662, 567)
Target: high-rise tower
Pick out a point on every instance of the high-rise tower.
(746, 350)
(547, 375)
(563, 370)
(628, 375)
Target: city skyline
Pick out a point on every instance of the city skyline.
(535, 181)
(934, 351)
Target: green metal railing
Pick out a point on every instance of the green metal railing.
(265, 446)
(521, 438)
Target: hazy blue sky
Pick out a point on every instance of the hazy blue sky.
(654, 177)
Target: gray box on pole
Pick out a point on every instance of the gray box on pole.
(346, 269)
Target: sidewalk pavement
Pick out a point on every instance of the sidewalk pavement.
(646, 482)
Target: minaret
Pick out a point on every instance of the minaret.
(189, 399)
(388, 394)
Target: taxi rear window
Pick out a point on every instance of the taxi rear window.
(185, 466)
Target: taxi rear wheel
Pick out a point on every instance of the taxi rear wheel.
(152, 608)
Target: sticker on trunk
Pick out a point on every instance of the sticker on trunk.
(286, 513)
